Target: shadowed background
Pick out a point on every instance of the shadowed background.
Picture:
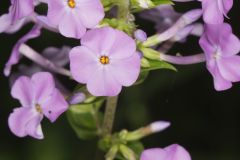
(206, 122)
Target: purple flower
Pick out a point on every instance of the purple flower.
(215, 10)
(172, 152)
(221, 47)
(72, 17)
(15, 55)
(39, 98)
(106, 61)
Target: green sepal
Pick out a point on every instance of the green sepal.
(119, 24)
(158, 64)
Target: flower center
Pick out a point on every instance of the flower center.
(217, 55)
(38, 108)
(71, 3)
(104, 60)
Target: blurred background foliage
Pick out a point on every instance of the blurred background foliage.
(206, 122)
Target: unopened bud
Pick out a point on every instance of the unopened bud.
(77, 98)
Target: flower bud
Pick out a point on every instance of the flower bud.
(145, 131)
(77, 98)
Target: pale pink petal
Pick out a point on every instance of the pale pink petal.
(123, 47)
(43, 86)
(90, 13)
(56, 11)
(220, 83)
(172, 152)
(177, 152)
(126, 71)
(21, 9)
(83, 63)
(225, 6)
(211, 12)
(33, 127)
(25, 121)
(230, 68)
(5, 22)
(22, 90)
(53, 108)
(207, 47)
(70, 26)
(99, 40)
(230, 46)
(154, 154)
(102, 83)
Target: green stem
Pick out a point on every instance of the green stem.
(110, 110)
(109, 115)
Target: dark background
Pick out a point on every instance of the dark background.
(206, 122)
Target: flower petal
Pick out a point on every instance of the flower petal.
(230, 68)
(100, 41)
(83, 63)
(22, 90)
(56, 11)
(71, 26)
(5, 22)
(153, 154)
(207, 47)
(123, 47)
(211, 12)
(126, 71)
(230, 44)
(21, 9)
(220, 83)
(43, 86)
(102, 83)
(172, 152)
(53, 108)
(177, 152)
(25, 121)
(90, 13)
(33, 127)
(225, 6)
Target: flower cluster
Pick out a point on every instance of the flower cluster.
(112, 53)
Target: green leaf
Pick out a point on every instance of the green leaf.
(84, 118)
(158, 64)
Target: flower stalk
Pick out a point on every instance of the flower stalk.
(183, 60)
(111, 106)
(40, 60)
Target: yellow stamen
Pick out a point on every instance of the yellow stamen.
(71, 3)
(104, 60)
(38, 108)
